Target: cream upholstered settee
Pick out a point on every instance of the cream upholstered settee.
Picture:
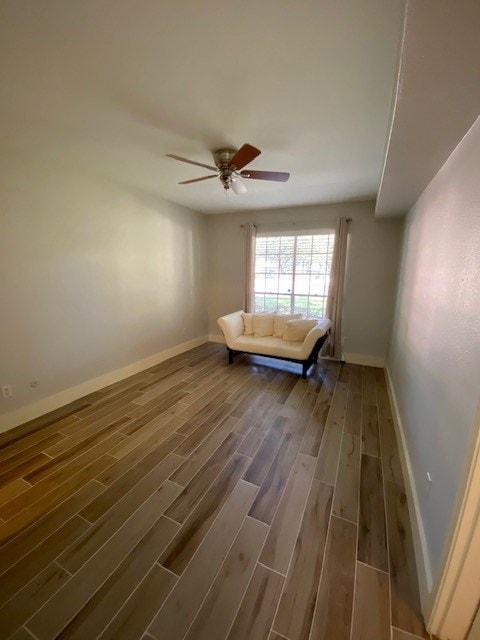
(289, 337)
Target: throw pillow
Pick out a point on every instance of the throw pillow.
(280, 321)
(296, 330)
(263, 324)
(247, 323)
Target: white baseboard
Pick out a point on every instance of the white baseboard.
(368, 361)
(424, 571)
(60, 399)
(216, 337)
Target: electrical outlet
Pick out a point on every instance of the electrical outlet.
(7, 391)
(34, 383)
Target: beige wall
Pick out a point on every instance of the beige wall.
(94, 277)
(475, 630)
(434, 359)
(372, 267)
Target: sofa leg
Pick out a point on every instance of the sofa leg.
(305, 368)
(230, 356)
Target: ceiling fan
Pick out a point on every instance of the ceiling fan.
(229, 163)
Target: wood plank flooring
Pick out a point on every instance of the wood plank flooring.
(202, 501)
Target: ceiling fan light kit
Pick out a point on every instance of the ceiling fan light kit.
(237, 186)
(229, 163)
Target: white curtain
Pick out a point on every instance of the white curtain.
(335, 292)
(251, 234)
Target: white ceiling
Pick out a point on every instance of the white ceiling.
(109, 87)
(438, 97)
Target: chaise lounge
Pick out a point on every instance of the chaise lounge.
(278, 336)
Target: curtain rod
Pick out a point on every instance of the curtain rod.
(242, 226)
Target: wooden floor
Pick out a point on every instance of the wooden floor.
(203, 501)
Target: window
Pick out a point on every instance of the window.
(292, 273)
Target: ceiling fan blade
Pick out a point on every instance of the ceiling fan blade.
(198, 164)
(244, 155)
(198, 179)
(277, 176)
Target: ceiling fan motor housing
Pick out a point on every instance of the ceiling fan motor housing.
(222, 157)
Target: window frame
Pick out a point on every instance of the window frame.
(328, 231)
